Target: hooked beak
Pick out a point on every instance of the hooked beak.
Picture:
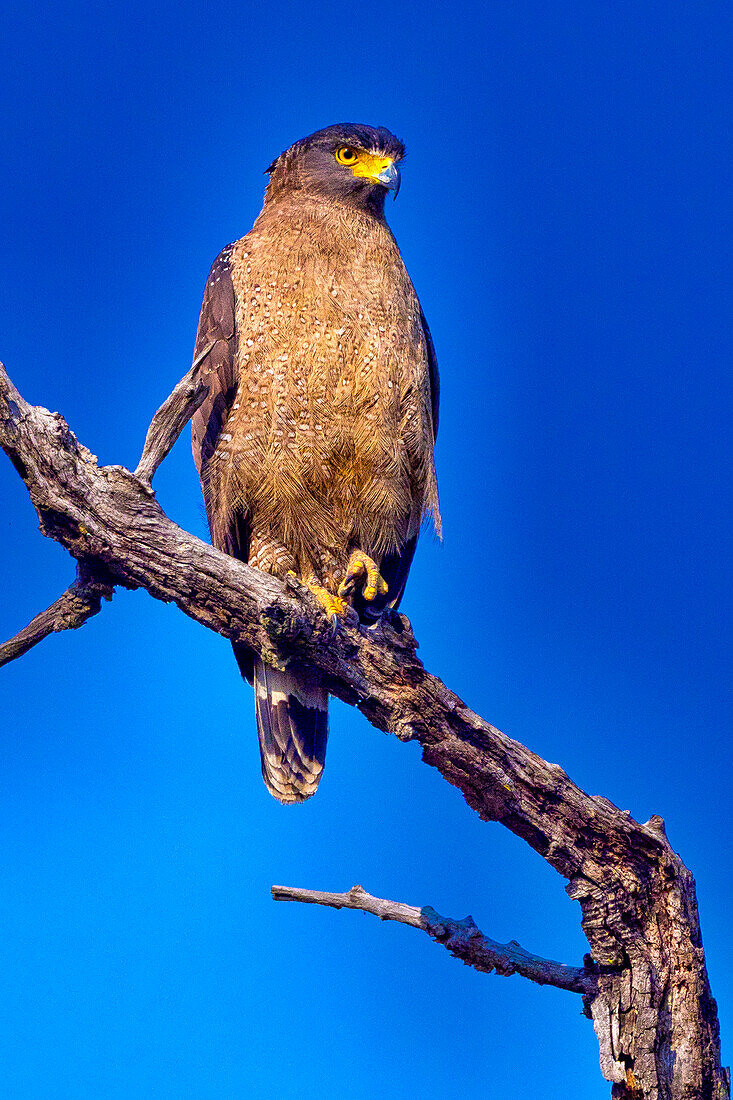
(389, 177)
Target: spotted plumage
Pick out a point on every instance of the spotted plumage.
(316, 437)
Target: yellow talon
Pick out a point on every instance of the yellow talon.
(361, 570)
(334, 606)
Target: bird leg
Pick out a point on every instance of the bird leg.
(363, 573)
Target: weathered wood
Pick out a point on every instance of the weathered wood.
(653, 1011)
(79, 602)
(171, 418)
(461, 937)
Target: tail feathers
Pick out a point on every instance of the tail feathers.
(292, 723)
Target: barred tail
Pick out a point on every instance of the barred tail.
(292, 723)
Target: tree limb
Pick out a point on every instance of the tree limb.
(71, 610)
(653, 1011)
(171, 418)
(461, 937)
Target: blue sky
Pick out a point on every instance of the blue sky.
(566, 217)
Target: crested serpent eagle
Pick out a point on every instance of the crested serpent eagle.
(315, 440)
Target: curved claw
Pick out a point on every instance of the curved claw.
(335, 607)
(362, 572)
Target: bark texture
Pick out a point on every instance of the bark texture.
(650, 1000)
(461, 937)
(79, 602)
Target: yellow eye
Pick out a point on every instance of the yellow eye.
(346, 154)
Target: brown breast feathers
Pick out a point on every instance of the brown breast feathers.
(328, 443)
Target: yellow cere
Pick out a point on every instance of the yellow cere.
(362, 163)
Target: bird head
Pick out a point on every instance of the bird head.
(348, 162)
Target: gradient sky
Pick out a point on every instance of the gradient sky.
(566, 218)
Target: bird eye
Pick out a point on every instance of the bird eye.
(345, 154)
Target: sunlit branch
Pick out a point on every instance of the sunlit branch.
(461, 937)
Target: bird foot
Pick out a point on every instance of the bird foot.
(334, 606)
(362, 573)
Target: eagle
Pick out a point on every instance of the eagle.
(314, 443)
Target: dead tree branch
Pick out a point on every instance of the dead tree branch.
(79, 602)
(461, 937)
(171, 418)
(652, 1008)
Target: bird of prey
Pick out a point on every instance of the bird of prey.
(315, 440)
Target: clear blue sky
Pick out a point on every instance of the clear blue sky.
(566, 217)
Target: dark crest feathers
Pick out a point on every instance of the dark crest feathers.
(376, 139)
